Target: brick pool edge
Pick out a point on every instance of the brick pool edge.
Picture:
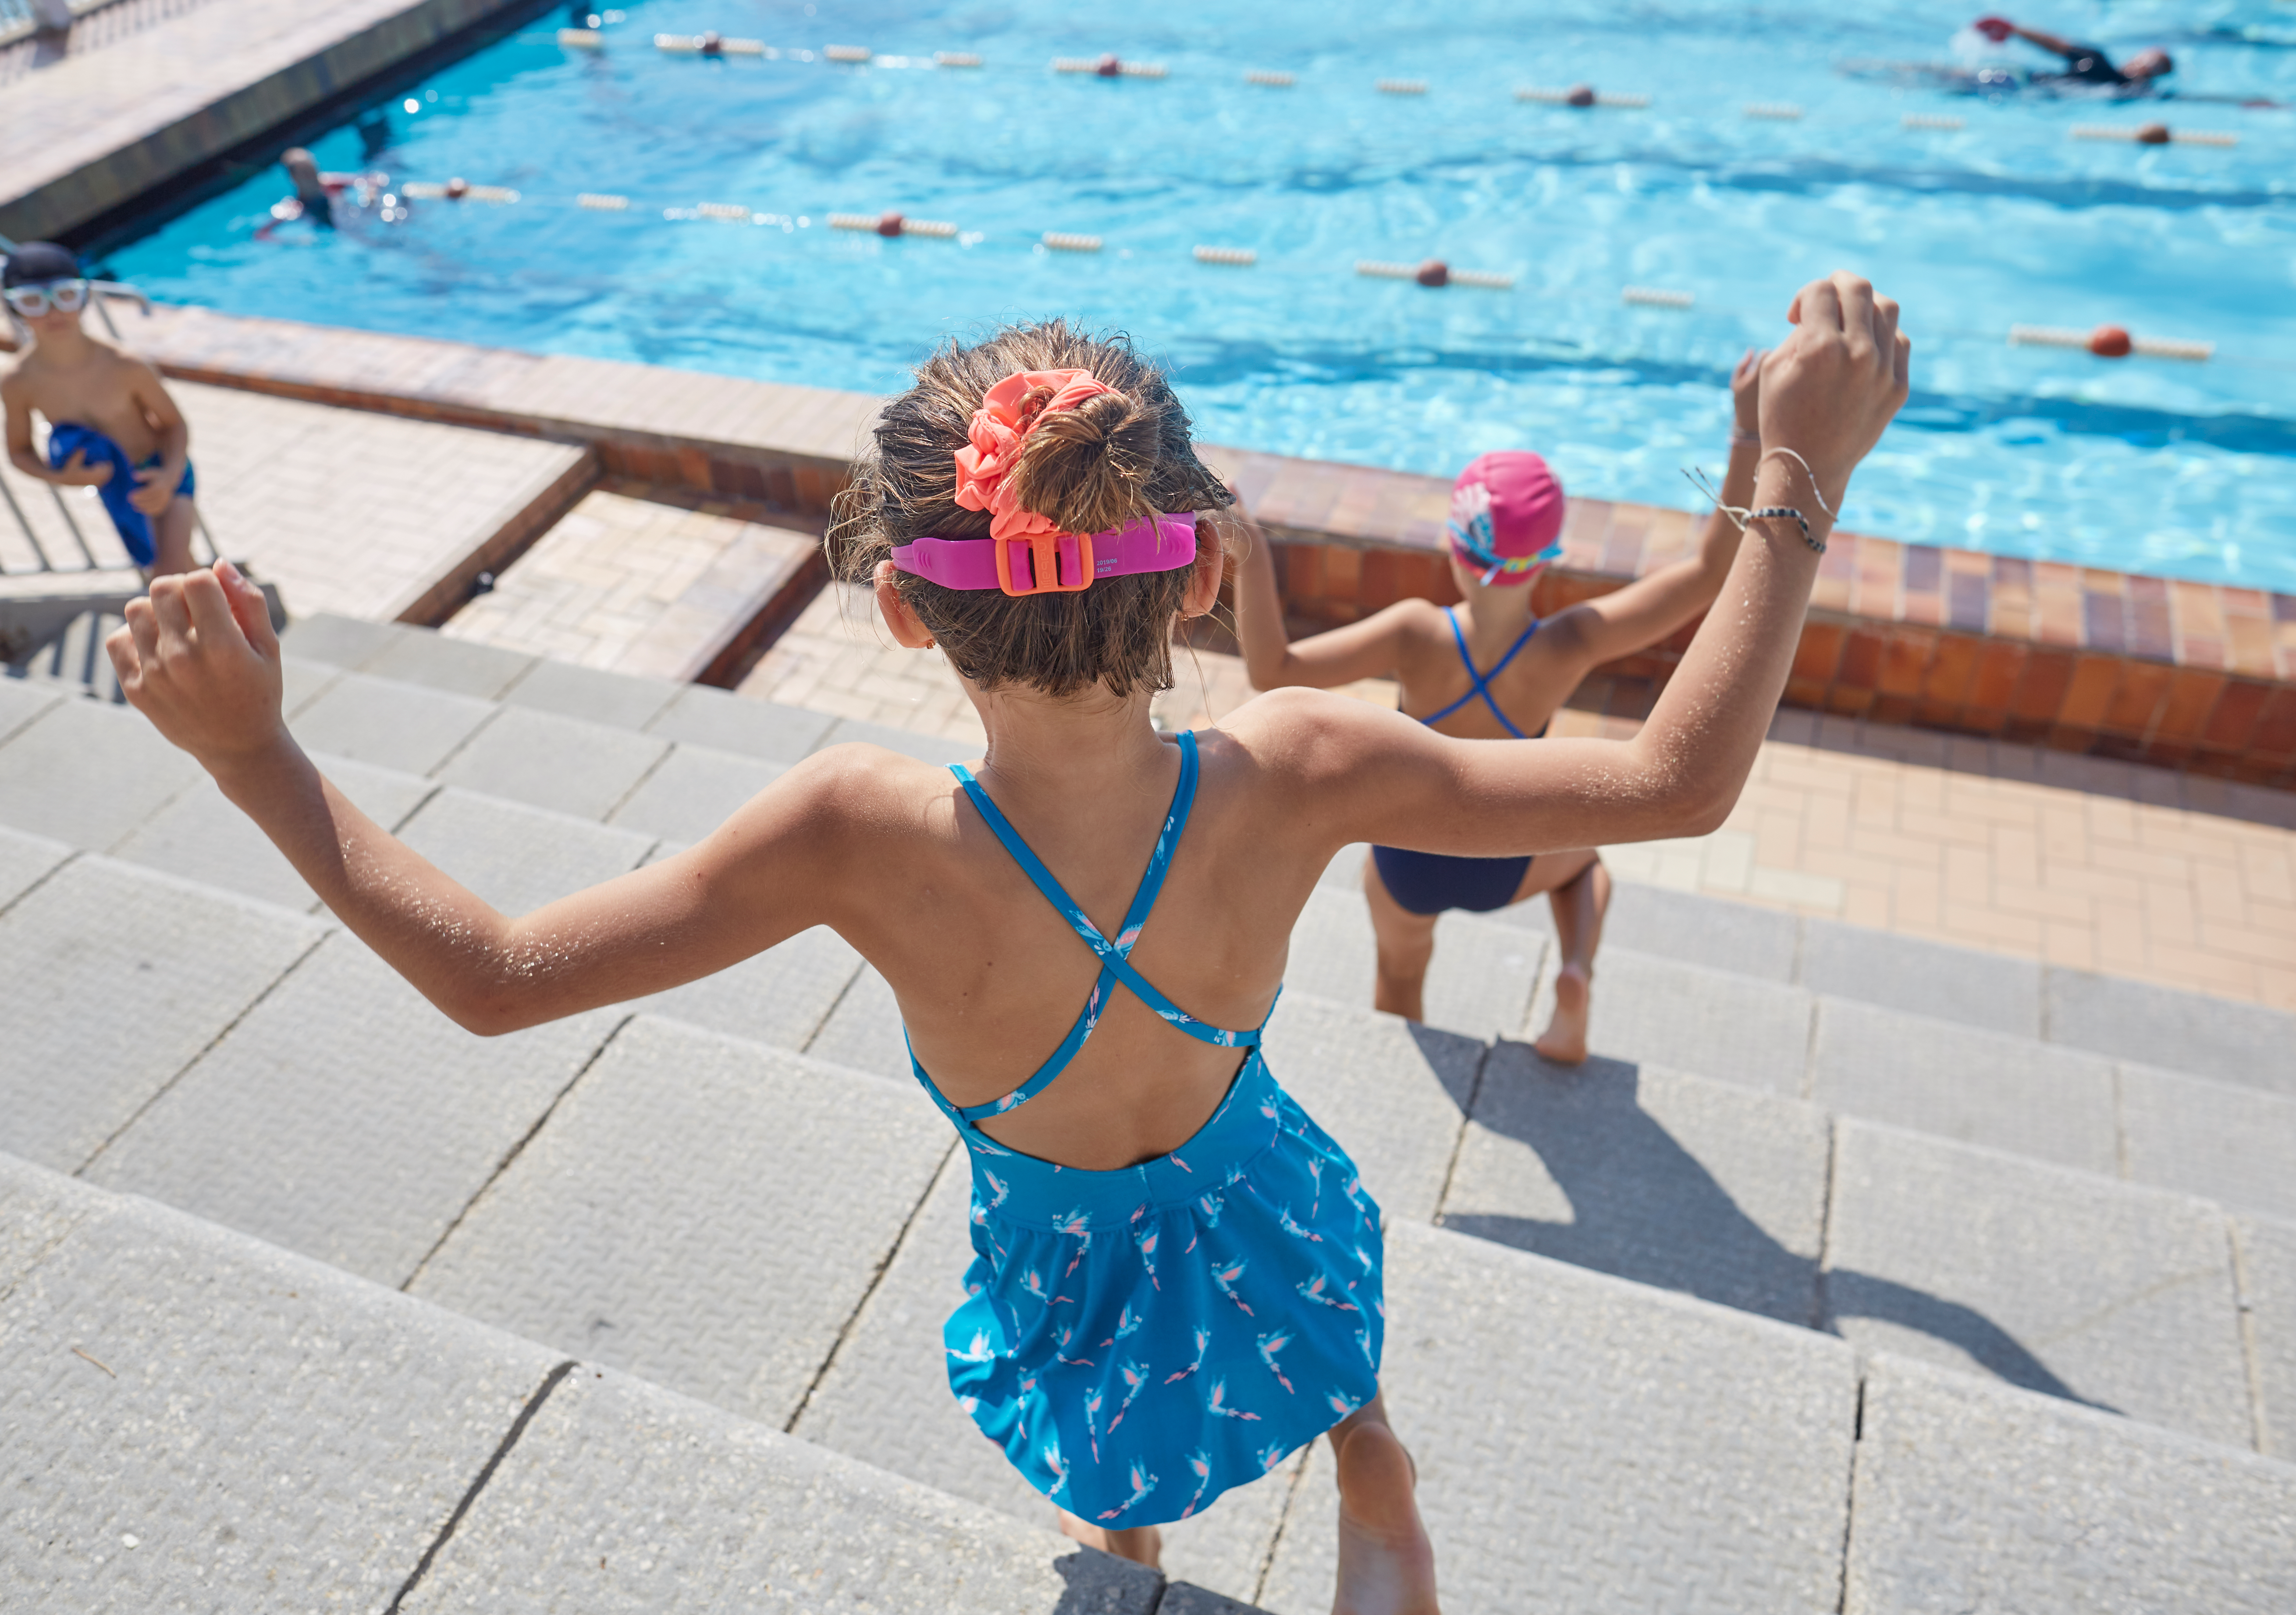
(2179, 674)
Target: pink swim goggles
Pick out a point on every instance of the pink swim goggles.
(1050, 563)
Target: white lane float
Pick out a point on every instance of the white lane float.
(457, 189)
(2110, 343)
(1242, 257)
(956, 59)
(602, 201)
(1059, 241)
(1656, 297)
(1401, 87)
(891, 223)
(711, 43)
(1579, 95)
(1776, 111)
(2153, 134)
(732, 213)
(1110, 66)
(581, 39)
(1434, 272)
(1929, 120)
(845, 52)
(1281, 81)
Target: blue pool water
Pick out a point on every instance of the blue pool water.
(2185, 469)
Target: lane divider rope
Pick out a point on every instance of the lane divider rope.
(2153, 134)
(1579, 95)
(2110, 343)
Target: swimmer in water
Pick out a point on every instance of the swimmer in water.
(311, 199)
(2085, 64)
(2087, 70)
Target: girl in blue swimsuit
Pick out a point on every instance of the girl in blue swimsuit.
(1176, 1274)
(1488, 668)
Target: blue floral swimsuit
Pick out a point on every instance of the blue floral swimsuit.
(1138, 1341)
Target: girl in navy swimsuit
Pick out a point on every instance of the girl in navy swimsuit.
(1487, 668)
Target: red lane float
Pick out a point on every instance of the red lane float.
(2110, 343)
(1581, 96)
(891, 223)
(2153, 134)
(1433, 272)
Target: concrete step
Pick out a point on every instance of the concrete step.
(2074, 1010)
(694, 713)
(594, 1183)
(1400, 1091)
(2078, 1010)
(195, 1419)
(313, 1100)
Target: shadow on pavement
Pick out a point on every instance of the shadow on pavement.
(1643, 1208)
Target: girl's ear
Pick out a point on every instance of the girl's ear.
(1204, 577)
(909, 631)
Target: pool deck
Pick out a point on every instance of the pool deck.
(2018, 850)
(2193, 676)
(88, 131)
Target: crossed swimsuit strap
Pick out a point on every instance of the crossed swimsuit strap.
(1115, 957)
(1482, 680)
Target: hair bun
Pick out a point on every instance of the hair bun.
(1086, 469)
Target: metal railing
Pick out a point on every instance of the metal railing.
(22, 19)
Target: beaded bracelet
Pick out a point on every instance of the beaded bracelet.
(1781, 512)
(1739, 515)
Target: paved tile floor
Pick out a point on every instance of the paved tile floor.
(2071, 860)
(92, 30)
(637, 584)
(345, 510)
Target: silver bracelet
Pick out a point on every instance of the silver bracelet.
(1745, 440)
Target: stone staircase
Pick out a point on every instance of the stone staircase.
(1749, 1312)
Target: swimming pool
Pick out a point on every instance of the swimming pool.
(2145, 465)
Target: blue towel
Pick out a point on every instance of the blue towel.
(67, 438)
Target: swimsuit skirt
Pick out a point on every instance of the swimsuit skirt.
(1139, 1342)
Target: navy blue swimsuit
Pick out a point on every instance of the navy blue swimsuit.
(1429, 882)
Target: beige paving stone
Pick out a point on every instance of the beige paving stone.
(636, 586)
(1981, 843)
(346, 511)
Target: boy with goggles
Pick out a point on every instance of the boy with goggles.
(112, 425)
(1488, 668)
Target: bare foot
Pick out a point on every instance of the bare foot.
(1387, 1565)
(1141, 1544)
(1565, 1040)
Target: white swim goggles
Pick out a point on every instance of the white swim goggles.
(65, 297)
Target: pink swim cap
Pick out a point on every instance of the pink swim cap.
(1506, 515)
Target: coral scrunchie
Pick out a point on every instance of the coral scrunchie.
(997, 435)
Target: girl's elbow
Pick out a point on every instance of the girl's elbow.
(484, 1012)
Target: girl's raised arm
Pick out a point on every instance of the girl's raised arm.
(1827, 392)
(1369, 649)
(199, 659)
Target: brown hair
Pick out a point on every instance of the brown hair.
(1118, 455)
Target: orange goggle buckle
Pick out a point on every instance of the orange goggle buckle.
(1051, 556)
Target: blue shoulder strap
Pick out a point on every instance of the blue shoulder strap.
(1115, 957)
(1482, 685)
